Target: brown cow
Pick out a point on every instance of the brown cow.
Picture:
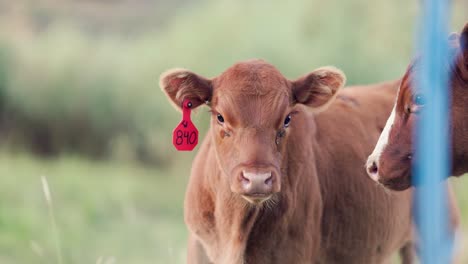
(275, 181)
(390, 163)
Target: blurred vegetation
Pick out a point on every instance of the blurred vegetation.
(79, 83)
(67, 88)
(103, 211)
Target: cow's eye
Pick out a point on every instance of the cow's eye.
(220, 118)
(287, 120)
(419, 100)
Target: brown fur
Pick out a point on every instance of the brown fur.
(323, 208)
(394, 166)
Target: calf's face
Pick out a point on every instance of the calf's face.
(390, 162)
(252, 107)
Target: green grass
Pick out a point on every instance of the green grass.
(461, 190)
(103, 210)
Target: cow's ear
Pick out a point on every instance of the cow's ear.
(319, 87)
(464, 49)
(462, 62)
(454, 40)
(181, 84)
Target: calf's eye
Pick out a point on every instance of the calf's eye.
(419, 100)
(220, 118)
(287, 120)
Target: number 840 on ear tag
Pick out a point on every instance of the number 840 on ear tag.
(185, 135)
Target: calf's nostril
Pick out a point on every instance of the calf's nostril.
(373, 169)
(244, 179)
(256, 181)
(269, 181)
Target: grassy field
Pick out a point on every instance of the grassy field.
(105, 212)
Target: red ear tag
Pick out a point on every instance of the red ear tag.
(185, 135)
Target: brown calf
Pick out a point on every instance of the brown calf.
(276, 181)
(390, 163)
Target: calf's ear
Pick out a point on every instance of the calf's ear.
(181, 84)
(462, 62)
(318, 88)
(464, 49)
(464, 39)
(454, 40)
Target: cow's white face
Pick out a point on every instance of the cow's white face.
(374, 158)
(253, 107)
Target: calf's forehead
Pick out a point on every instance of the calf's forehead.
(405, 91)
(253, 93)
(251, 78)
(451, 62)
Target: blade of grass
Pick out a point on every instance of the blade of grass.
(48, 198)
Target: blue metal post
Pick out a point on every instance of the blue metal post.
(431, 137)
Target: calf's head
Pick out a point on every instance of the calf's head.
(253, 108)
(390, 162)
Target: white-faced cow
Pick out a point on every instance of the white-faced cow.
(390, 163)
(279, 177)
